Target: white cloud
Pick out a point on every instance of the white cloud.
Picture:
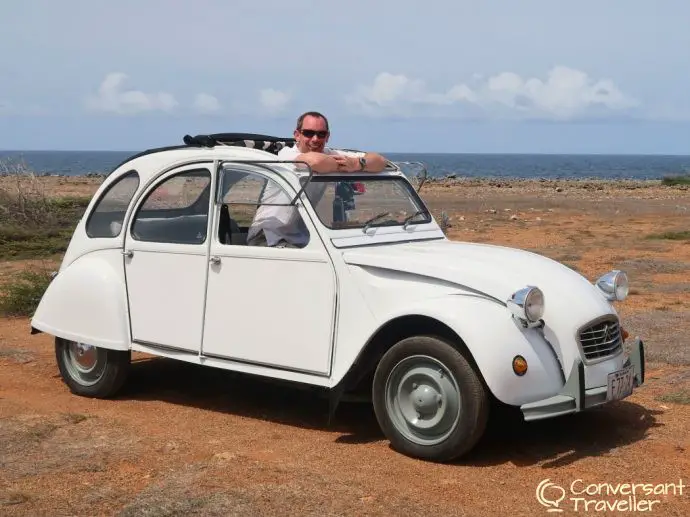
(393, 91)
(205, 103)
(112, 98)
(565, 94)
(273, 101)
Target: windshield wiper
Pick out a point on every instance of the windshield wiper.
(409, 218)
(373, 219)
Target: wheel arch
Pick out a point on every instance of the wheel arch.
(361, 372)
(87, 302)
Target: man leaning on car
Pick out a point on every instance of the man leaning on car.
(281, 226)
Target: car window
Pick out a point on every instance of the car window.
(175, 210)
(250, 198)
(109, 211)
(357, 202)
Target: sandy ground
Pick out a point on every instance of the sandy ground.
(183, 440)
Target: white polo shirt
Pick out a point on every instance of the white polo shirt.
(284, 222)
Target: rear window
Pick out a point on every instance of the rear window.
(108, 214)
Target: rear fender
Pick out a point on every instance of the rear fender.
(87, 302)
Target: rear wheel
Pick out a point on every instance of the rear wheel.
(428, 399)
(91, 371)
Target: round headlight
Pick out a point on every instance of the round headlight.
(621, 286)
(527, 305)
(614, 285)
(534, 304)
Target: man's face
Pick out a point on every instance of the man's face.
(316, 135)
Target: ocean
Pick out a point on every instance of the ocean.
(552, 166)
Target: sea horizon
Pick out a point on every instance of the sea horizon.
(383, 152)
(439, 164)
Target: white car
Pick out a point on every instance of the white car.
(435, 331)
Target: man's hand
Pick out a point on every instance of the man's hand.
(318, 162)
(347, 163)
(375, 163)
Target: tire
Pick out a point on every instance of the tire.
(91, 371)
(428, 399)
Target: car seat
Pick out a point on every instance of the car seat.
(229, 232)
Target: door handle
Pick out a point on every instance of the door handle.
(128, 253)
(215, 260)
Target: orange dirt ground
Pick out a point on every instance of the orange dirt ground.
(185, 440)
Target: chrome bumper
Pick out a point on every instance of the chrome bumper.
(574, 397)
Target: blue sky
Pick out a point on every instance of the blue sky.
(497, 76)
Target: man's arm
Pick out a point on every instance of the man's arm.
(342, 162)
(349, 162)
(318, 162)
(375, 162)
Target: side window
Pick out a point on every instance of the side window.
(176, 210)
(256, 211)
(108, 214)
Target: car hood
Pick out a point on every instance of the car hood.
(494, 271)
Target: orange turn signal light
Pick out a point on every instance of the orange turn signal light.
(519, 365)
(624, 334)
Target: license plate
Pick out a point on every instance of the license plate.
(620, 383)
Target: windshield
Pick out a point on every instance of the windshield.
(357, 202)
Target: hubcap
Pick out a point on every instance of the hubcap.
(423, 399)
(84, 356)
(85, 363)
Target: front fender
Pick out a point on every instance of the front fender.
(87, 302)
(494, 338)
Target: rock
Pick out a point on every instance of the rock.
(513, 217)
(225, 456)
(169, 447)
(559, 189)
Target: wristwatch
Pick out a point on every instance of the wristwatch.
(362, 163)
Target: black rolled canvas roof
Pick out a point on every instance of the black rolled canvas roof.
(268, 143)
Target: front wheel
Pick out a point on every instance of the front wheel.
(91, 371)
(428, 399)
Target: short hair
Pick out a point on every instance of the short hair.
(300, 119)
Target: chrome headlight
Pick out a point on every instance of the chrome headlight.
(527, 305)
(614, 285)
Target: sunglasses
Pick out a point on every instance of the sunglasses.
(309, 133)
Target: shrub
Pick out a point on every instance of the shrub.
(673, 236)
(23, 292)
(676, 180)
(32, 224)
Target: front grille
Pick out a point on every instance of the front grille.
(601, 339)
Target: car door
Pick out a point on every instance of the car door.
(266, 305)
(166, 259)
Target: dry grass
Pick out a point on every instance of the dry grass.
(679, 397)
(34, 223)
